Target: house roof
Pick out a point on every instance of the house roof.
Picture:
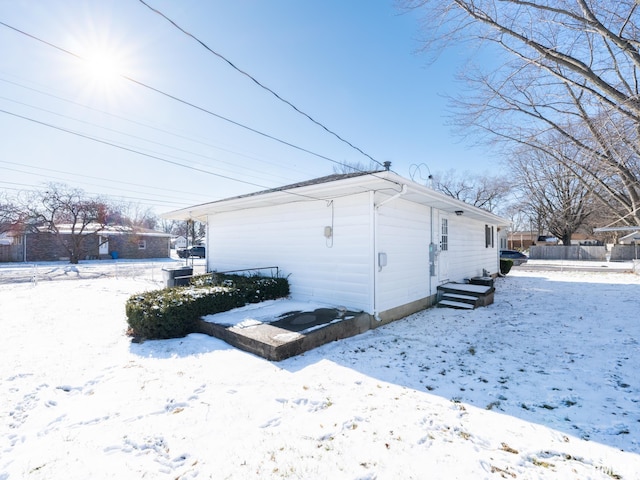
(632, 236)
(66, 229)
(616, 229)
(387, 184)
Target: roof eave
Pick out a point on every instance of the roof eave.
(386, 183)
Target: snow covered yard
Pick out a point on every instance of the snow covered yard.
(543, 384)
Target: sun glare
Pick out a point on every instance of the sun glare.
(103, 68)
(103, 57)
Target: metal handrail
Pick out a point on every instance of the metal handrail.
(248, 270)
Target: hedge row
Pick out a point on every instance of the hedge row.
(174, 312)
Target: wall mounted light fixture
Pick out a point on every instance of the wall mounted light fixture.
(459, 212)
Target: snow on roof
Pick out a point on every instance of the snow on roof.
(67, 229)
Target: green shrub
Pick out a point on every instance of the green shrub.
(505, 265)
(254, 288)
(174, 312)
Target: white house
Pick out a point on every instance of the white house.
(630, 239)
(180, 242)
(6, 239)
(375, 242)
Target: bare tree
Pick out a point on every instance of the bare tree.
(12, 216)
(483, 191)
(354, 167)
(170, 226)
(553, 193)
(195, 231)
(570, 76)
(137, 216)
(69, 215)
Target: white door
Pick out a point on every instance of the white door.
(103, 248)
(443, 249)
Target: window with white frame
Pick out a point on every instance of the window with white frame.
(489, 236)
(444, 235)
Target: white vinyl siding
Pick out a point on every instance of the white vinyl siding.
(404, 235)
(292, 237)
(366, 215)
(468, 253)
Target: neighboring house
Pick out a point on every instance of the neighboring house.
(547, 241)
(525, 239)
(179, 242)
(521, 240)
(101, 243)
(375, 242)
(10, 248)
(631, 239)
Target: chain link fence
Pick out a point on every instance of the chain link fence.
(59, 271)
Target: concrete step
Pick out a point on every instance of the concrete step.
(457, 297)
(466, 288)
(472, 294)
(454, 304)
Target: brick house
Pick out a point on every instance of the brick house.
(99, 242)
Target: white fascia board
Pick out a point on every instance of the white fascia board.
(385, 184)
(616, 229)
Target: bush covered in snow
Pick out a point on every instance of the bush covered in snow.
(174, 312)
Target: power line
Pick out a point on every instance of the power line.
(135, 122)
(173, 97)
(105, 142)
(257, 82)
(119, 132)
(145, 201)
(168, 198)
(127, 149)
(184, 102)
(92, 177)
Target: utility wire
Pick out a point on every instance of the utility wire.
(257, 82)
(128, 149)
(163, 198)
(144, 201)
(185, 102)
(145, 125)
(136, 137)
(119, 182)
(173, 97)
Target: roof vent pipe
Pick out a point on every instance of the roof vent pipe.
(387, 165)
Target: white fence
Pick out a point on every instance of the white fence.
(625, 253)
(571, 252)
(619, 253)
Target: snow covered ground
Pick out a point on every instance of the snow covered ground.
(543, 384)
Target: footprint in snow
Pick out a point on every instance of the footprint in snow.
(274, 422)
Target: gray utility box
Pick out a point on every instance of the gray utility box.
(175, 277)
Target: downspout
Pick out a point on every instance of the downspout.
(374, 224)
(372, 253)
(431, 245)
(402, 191)
(209, 250)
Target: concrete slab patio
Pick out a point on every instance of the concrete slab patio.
(292, 333)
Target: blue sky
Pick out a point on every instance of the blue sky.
(351, 65)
